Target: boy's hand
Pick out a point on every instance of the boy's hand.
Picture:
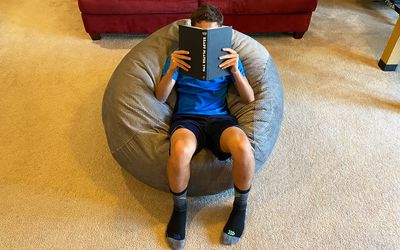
(232, 61)
(177, 60)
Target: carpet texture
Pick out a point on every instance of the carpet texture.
(333, 179)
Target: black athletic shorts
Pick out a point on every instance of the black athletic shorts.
(207, 129)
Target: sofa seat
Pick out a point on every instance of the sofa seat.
(240, 7)
(146, 16)
(122, 7)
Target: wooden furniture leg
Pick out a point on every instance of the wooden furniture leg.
(95, 36)
(298, 35)
(391, 55)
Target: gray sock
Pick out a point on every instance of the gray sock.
(234, 227)
(176, 228)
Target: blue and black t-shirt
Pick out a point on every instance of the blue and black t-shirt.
(201, 97)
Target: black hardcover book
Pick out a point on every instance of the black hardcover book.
(205, 47)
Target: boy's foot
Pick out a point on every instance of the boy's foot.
(176, 228)
(234, 227)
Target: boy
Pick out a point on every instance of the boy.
(202, 119)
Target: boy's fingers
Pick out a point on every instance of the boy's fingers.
(229, 49)
(182, 52)
(227, 63)
(179, 61)
(183, 66)
(227, 66)
(227, 56)
(180, 65)
(183, 63)
(183, 57)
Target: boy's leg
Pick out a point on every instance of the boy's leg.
(234, 141)
(183, 146)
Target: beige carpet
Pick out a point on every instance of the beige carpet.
(333, 180)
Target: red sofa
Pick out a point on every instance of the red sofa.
(146, 16)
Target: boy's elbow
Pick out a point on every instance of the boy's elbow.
(248, 100)
(158, 95)
(160, 98)
(252, 99)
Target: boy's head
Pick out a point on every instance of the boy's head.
(207, 16)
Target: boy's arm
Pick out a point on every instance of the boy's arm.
(164, 87)
(167, 82)
(241, 83)
(243, 87)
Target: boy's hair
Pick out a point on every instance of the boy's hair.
(207, 12)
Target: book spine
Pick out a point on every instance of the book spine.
(204, 55)
(392, 4)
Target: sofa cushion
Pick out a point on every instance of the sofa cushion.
(263, 6)
(137, 6)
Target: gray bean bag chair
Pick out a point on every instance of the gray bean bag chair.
(136, 123)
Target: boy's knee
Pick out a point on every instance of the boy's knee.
(240, 145)
(242, 152)
(183, 143)
(182, 149)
